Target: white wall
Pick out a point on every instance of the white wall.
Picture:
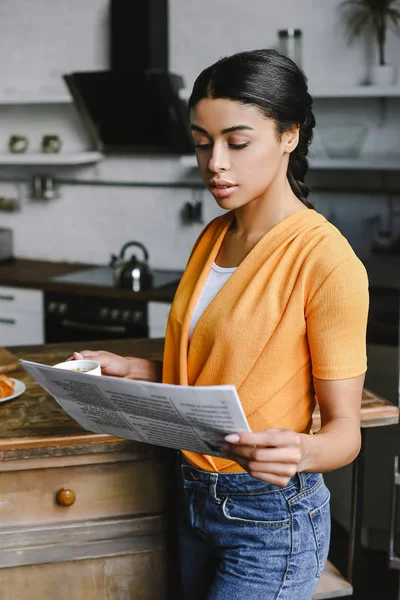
(202, 32)
(43, 39)
(46, 38)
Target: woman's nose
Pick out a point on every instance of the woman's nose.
(219, 160)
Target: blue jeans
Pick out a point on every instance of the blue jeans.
(245, 539)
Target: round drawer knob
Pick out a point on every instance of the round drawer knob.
(65, 497)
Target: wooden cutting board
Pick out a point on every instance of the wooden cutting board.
(8, 362)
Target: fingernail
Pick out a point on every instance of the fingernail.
(78, 355)
(232, 438)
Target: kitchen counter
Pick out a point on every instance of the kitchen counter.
(38, 274)
(35, 420)
(92, 510)
(34, 424)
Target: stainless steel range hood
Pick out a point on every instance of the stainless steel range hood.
(135, 106)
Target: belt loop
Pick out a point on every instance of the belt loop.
(212, 489)
(302, 481)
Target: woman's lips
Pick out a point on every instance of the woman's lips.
(222, 191)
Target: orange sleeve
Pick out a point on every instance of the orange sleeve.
(336, 318)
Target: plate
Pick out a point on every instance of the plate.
(19, 388)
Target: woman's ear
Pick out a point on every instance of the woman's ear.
(290, 139)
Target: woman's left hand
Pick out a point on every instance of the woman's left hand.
(274, 455)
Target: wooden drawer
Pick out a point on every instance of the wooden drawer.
(19, 300)
(17, 328)
(101, 490)
(129, 577)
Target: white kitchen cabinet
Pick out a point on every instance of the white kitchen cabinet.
(158, 317)
(21, 316)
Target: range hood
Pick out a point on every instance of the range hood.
(135, 106)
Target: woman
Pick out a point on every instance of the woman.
(274, 301)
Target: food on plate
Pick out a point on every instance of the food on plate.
(6, 386)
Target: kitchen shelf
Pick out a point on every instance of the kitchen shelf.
(361, 91)
(331, 90)
(188, 161)
(32, 98)
(73, 158)
(364, 163)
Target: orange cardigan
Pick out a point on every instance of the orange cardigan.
(295, 307)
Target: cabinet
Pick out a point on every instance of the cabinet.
(21, 316)
(84, 527)
(41, 159)
(158, 317)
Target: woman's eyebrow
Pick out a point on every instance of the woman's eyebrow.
(223, 131)
(236, 128)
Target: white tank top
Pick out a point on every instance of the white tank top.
(217, 277)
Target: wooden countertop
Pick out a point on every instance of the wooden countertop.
(38, 274)
(34, 423)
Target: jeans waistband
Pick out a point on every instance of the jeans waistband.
(239, 483)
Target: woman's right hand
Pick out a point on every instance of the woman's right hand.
(111, 364)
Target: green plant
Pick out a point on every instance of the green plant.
(377, 15)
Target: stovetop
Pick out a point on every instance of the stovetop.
(103, 277)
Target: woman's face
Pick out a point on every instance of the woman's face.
(238, 151)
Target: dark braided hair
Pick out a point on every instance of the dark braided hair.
(277, 87)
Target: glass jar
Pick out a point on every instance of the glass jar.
(51, 144)
(290, 44)
(18, 144)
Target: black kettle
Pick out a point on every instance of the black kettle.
(132, 274)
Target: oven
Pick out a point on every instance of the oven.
(73, 317)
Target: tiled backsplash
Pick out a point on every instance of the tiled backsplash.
(87, 224)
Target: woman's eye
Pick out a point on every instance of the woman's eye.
(208, 145)
(239, 146)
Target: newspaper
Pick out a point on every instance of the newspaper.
(195, 418)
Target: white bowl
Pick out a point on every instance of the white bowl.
(342, 140)
(89, 367)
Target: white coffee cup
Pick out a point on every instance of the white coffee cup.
(89, 367)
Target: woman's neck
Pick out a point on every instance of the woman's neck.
(256, 218)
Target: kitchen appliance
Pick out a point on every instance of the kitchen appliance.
(104, 277)
(73, 316)
(132, 274)
(135, 106)
(6, 243)
(139, 35)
